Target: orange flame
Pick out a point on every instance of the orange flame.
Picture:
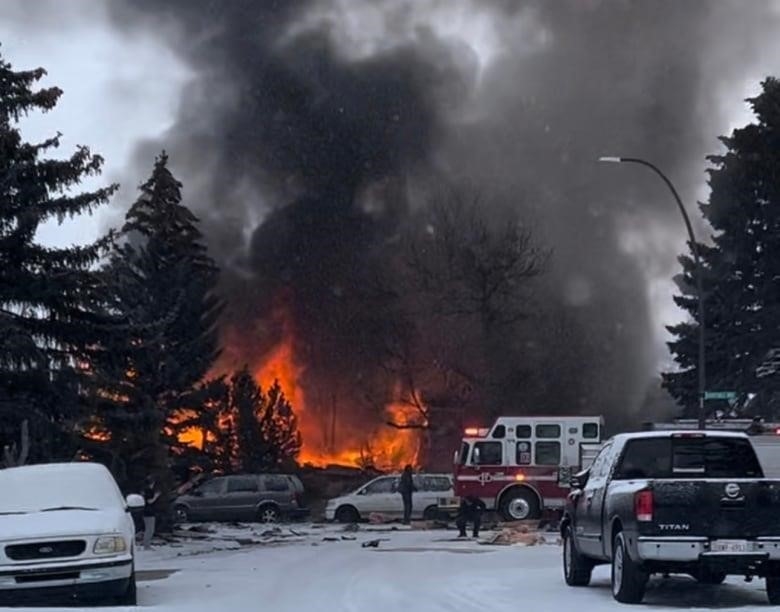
(329, 437)
(327, 441)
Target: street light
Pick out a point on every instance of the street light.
(699, 272)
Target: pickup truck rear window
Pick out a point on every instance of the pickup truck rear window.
(688, 457)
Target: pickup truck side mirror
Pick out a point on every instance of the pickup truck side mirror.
(579, 480)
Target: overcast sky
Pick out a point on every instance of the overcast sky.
(118, 90)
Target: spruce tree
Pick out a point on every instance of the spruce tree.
(265, 426)
(49, 297)
(246, 429)
(163, 286)
(742, 268)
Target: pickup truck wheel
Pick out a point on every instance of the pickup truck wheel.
(628, 579)
(705, 576)
(773, 590)
(576, 568)
(519, 505)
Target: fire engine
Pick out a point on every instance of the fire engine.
(522, 465)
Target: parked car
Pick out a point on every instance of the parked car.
(65, 533)
(265, 498)
(692, 503)
(381, 496)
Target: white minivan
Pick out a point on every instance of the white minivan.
(380, 496)
(67, 533)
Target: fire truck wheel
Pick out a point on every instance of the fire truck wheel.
(576, 568)
(519, 505)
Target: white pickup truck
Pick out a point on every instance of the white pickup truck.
(66, 533)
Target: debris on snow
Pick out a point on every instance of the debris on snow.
(376, 518)
(519, 533)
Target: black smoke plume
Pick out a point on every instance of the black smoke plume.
(288, 131)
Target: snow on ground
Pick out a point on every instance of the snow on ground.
(314, 569)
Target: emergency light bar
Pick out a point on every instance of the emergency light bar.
(476, 432)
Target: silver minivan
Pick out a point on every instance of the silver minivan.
(381, 496)
(265, 498)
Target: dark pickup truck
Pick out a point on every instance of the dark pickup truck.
(692, 503)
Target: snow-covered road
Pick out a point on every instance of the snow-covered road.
(412, 571)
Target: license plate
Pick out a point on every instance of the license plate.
(731, 546)
(448, 502)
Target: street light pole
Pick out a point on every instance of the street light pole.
(699, 273)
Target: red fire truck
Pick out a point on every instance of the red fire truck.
(522, 465)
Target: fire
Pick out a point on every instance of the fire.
(329, 440)
(329, 435)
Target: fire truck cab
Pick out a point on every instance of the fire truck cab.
(522, 465)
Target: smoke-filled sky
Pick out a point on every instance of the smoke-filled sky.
(300, 107)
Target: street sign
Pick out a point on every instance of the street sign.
(720, 395)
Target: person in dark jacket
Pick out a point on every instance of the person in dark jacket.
(151, 496)
(406, 488)
(470, 511)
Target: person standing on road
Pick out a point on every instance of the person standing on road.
(151, 496)
(406, 488)
(470, 511)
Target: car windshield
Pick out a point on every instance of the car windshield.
(56, 488)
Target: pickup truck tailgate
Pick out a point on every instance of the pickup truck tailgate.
(715, 508)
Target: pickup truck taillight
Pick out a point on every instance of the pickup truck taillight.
(643, 505)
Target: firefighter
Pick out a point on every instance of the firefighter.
(470, 511)
(406, 488)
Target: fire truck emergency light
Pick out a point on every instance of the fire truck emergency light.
(471, 431)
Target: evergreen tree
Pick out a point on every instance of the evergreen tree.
(216, 450)
(247, 429)
(163, 285)
(741, 268)
(265, 425)
(49, 297)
